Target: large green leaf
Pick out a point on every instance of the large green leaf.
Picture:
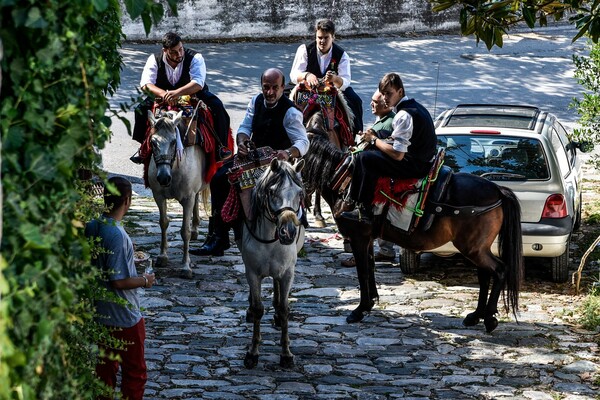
(135, 8)
(100, 5)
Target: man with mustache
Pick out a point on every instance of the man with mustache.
(271, 120)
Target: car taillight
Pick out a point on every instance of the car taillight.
(555, 207)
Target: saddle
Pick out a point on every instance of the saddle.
(243, 176)
(325, 98)
(402, 201)
(198, 122)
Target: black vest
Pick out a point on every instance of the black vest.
(313, 59)
(423, 142)
(267, 124)
(161, 76)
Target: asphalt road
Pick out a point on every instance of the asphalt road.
(439, 71)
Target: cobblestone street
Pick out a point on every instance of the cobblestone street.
(412, 346)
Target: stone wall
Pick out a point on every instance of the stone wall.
(262, 19)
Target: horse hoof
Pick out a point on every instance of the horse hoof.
(186, 274)
(250, 361)
(490, 323)
(347, 247)
(355, 316)
(319, 223)
(286, 361)
(161, 261)
(471, 320)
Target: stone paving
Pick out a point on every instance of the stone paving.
(411, 346)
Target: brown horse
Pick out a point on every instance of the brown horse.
(326, 105)
(473, 236)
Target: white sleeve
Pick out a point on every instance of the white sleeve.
(246, 125)
(198, 70)
(344, 71)
(403, 130)
(150, 72)
(300, 63)
(294, 127)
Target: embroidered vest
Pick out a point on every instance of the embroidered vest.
(267, 124)
(423, 142)
(161, 77)
(313, 59)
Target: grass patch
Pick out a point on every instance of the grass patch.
(590, 309)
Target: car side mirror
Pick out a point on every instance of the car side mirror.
(584, 146)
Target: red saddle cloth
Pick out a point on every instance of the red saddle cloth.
(325, 99)
(414, 191)
(395, 191)
(199, 130)
(242, 176)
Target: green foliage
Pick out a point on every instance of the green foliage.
(587, 73)
(590, 311)
(489, 20)
(60, 62)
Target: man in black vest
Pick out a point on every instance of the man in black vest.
(271, 120)
(325, 59)
(409, 156)
(172, 73)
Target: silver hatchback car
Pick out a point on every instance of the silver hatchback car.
(529, 151)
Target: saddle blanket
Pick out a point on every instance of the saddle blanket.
(399, 200)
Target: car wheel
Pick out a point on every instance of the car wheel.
(560, 265)
(409, 261)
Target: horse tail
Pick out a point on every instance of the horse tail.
(205, 198)
(510, 244)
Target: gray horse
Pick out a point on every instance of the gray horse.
(269, 247)
(176, 177)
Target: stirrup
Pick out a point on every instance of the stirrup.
(136, 158)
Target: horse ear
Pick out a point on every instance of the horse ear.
(299, 165)
(177, 118)
(274, 165)
(151, 117)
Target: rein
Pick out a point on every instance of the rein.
(273, 219)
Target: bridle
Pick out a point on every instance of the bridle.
(162, 159)
(273, 217)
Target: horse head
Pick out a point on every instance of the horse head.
(278, 197)
(164, 143)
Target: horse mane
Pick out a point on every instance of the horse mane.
(321, 162)
(271, 177)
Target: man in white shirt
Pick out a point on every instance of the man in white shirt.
(324, 59)
(271, 120)
(177, 71)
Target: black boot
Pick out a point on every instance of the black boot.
(360, 214)
(217, 240)
(136, 158)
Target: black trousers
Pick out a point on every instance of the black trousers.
(355, 104)
(219, 190)
(373, 164)
(220, 116)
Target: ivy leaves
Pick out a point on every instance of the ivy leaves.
(59, 63)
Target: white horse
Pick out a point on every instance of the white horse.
(269, 247)
(171, 177)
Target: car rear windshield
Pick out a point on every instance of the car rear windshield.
(496, 116)
(496, 158)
